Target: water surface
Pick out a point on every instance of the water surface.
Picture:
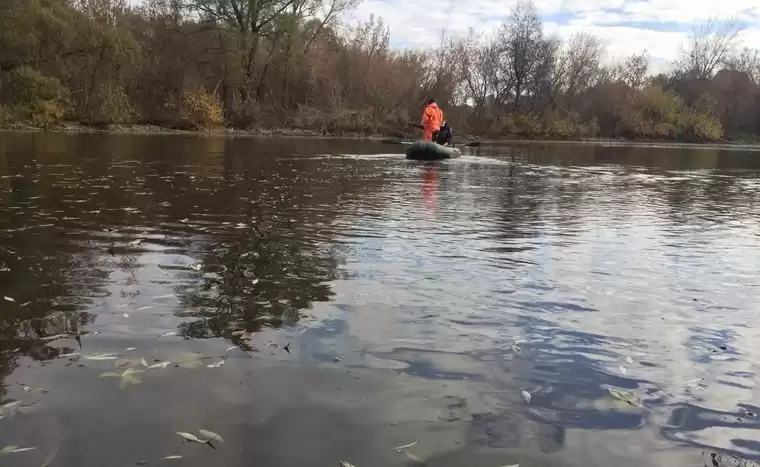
(313, 301)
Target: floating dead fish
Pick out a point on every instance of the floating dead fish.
(135, 242)
(401, 448)
(25, 304)
(232, 348)
(143, 362)
(171, 457)
(196, 267)
(623, 370)
(104, 356)
(346, 464)
(513, 465)
(255, 281)
(121, 363)
(145, 308)
(211, 436)
(170, 333)
(217, 364)
(629, 360)
(190, 437)
(627, 397)
(129, 349)
(526, 395)
(126, 315)
(14, 449)
(9, 299)
(159, 366)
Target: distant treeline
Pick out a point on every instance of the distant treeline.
(289, 64)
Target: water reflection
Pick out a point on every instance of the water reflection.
(252, 285)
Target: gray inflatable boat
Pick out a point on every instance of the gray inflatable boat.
(429, 151)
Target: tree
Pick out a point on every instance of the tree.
(710, 47)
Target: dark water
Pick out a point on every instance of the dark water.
(358, 302)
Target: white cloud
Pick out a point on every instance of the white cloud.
(420, 23)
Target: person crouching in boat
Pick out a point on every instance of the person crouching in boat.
(443, 135)
(432, 118)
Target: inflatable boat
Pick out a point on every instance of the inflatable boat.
(429, 151)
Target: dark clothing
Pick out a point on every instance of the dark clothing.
(443, 135)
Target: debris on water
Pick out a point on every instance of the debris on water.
(190, 437)
(14, 449)
(527, 396)
(170, 333)
(101, 356)
(217, 364)
(401, 448)
(9, 299)
(627, 397)
(232, 348)
(211, 436)
(287, 348)
(127, 377)
(171, 457)
(335, 359)
(516, 349)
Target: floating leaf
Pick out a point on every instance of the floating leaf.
(211, 435)
(526, 395)
(217, 364)
(401, 448)
(14, 449)
(190, 437)
(9, 299)
(171, 457)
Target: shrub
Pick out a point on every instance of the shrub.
(199, 109)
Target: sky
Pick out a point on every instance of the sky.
(627, 26)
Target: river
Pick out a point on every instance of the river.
(312, 301)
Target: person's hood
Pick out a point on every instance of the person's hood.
(434, 104)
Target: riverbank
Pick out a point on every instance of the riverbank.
(145, 129)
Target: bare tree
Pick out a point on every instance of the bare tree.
(520, 42)
(634, 70)
(577, 65)
(710, 47)
(747, 61)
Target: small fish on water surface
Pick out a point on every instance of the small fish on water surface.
(212, 436)
(14, 449)
(527, 396)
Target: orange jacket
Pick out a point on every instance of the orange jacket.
(432, 117)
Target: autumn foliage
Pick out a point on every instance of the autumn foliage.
(208, 64)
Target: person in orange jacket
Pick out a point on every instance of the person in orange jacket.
(432, 118)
